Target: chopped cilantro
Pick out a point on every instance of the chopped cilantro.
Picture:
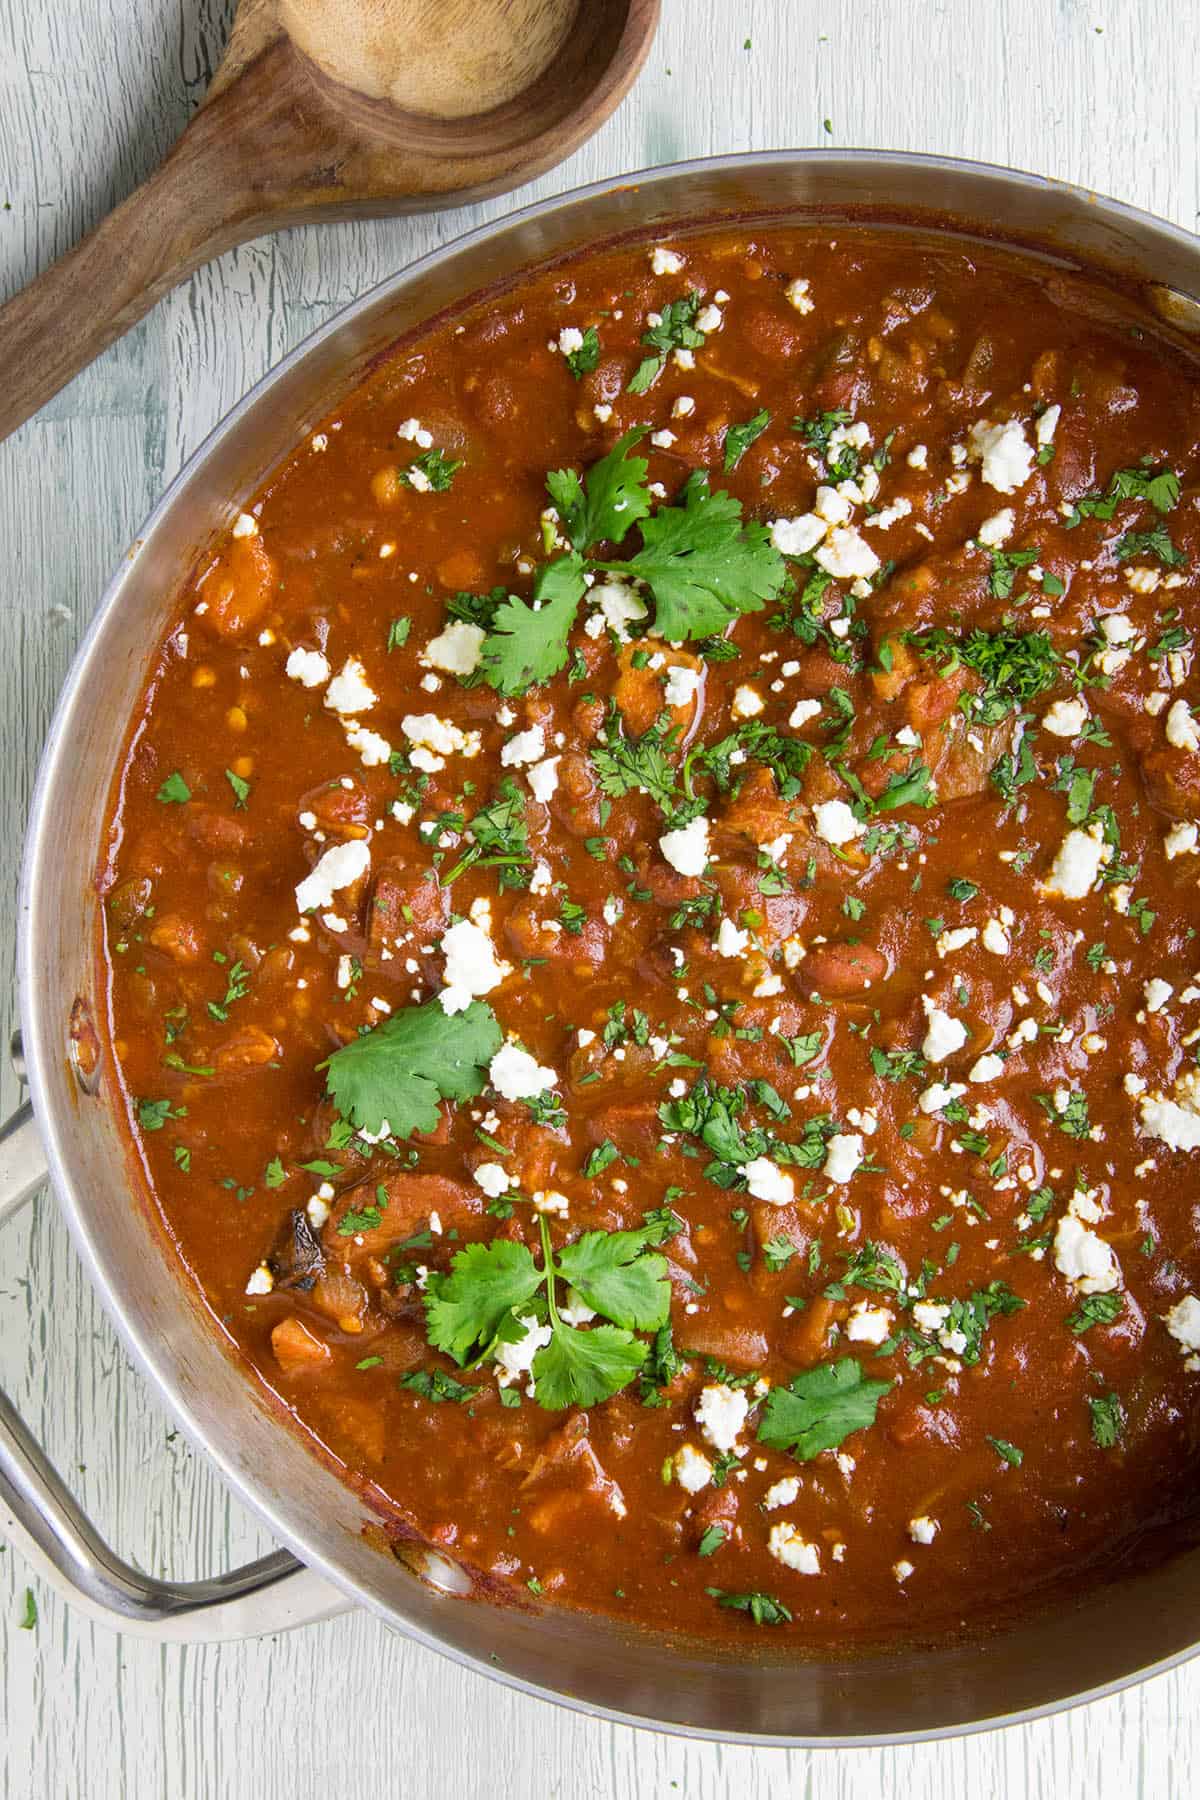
(739, 438)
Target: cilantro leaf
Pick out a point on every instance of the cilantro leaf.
(611, 1273)
(435, 1385)
(1095, 1309)
(528, 643)
(611, 498)
(1155, 542)
(739, 438)
(704, 566)
(761, 1609)
(241, 789)
(820, 1408)
(1108, 1420)
(174, 790)
(153, 1114)
(397, 1073)
(465, 1309)
(581, 1368)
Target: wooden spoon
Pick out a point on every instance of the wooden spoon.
(324, 109)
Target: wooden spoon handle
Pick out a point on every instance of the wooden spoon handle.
(205, 197)
(58, 324)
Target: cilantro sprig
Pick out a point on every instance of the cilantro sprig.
(396, 1074)
(475, 1308)
(703, 565)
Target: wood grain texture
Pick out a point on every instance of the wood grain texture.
(91, 93)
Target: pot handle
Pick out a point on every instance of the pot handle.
(40, 1517)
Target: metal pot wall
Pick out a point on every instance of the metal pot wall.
(1115, 1634)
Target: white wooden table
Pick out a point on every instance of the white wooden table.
(1101, 92)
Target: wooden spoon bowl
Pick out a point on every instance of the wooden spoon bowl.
(331, 109)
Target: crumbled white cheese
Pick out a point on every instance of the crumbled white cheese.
(943, 1034)
(413, 432)
(664, 261)
(455, 649)
(781, 1493)
(472, 966)
(995, 938)
(373, 750)
(1182, 1321)
(434, 739)
(1066, 718)
(787, 1546)
(836, 823)
(923, 1529)
(1182, 840)
(846, 554)
(308, 667)
(957, 938)
(998, 529)
(525, 747)
(687, 848)
(798, 294)
(543, 778)
(515, 1360)
(617, 607)
(261, 1281)
(768, 1182)
(747, 703)
(832, 506)
(869, 1324)
(721, 1413)
(730, 940)
(1182, 731)
(1084, 1257)
(339, 867)
(1077, 865)
(680, 684)
(803, 712)
(1178, 1127)
(1157, 992)
(692, 1470)
(796, 537)
(1005, 453)
(843, 1154)
(349, 692)
(940, 1094)
(516, 1075)
(494, 1179)
(987, 1068)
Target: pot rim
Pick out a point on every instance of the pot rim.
(41, 1037)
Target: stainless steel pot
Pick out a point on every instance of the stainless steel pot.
(1115, 1635)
